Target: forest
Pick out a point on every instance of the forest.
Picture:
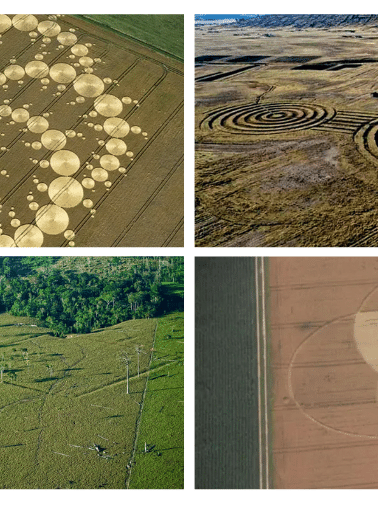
(82, 294)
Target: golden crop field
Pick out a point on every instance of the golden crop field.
(91, 126)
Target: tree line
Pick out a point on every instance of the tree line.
(73, 300)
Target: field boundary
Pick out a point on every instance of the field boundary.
(139, 419)
(262, 374)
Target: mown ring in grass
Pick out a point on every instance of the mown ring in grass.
(366, 139)
(267, 119)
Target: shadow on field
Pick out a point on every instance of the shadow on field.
(164, 389)
(172, 448)
(47, 379)
(158, 377)
(30, 335)
(157, 451)
(24, 387)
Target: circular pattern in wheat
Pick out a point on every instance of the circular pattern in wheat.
(267, 119)
(366, 139)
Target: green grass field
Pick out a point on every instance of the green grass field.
(161, 429)
(164, 32)
(66, 418)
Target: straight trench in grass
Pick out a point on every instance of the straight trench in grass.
(69, 395)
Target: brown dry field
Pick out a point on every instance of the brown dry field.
(323, 363)
(126, 193)
(286, 156)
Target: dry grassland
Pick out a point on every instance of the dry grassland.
(286, 151)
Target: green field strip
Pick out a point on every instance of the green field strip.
(159, 451)
(162, 32)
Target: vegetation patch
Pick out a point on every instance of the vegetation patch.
(159, 454)
(81, 296)
(71, 408)
(165, 32)
(67, 420)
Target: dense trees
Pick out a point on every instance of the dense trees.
(89, 293)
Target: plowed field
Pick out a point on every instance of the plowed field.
(324, 363)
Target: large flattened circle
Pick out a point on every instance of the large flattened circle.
(65, 162)
(6, 241)
(109, 162)
(116, 147)
(49, 28)
(53, 140)
(37, 124)
(62, 73)
(24, 22)
(67, 38)
(5, 23)
(5, 110)
(366, 330)
(88, 183)
(37, 69)
(116, 127)
(329, 380)
(52, 219)
(28, 235)
(66, 192)
(99, 174)
(79, 50)
(20, 115)
(14, 72)
(108, 105)
(89, 85)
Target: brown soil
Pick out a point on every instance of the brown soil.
(325, 406)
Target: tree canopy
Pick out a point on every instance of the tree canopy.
(79, 295)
